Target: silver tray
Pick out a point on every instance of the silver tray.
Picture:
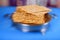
(28, 28)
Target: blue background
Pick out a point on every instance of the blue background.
(7, 32)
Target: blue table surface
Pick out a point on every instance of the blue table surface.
(7, 32)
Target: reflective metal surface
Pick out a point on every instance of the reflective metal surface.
(39, 28)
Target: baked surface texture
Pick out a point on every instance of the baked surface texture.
(31, 14)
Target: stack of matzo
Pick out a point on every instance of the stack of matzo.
(30, 14)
